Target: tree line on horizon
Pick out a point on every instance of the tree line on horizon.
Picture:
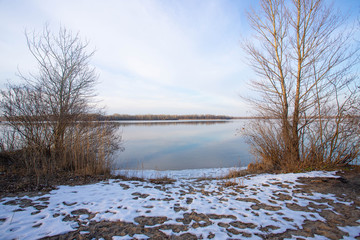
(148, 117)
(151, 117)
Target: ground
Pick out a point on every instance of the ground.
(313, 205)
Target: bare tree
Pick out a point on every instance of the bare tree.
(304, 56)
(65, 78)
(46, 110)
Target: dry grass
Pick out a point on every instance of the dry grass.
(89, 147)
(86, 149)
(235, 173)
(157, 180)
(127, 178)
(320, 150)
(239, 182)
(234, 178)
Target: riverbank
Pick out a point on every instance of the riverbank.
(276, 206)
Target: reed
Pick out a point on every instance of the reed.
(87, 149)
(325, 144)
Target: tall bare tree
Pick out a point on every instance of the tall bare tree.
(304, 56)
(46, 112)
(65, 77)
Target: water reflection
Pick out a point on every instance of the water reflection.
(180, 145)
(172, 122)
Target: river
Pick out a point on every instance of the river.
(177, 145)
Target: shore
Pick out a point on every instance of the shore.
(313, 205)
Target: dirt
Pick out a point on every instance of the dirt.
(346, 188)
(14, 184)
(345, 212)
(348, 184)
(17, 184)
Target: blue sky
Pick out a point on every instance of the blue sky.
(164, 56)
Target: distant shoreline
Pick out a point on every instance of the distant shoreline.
(162, 117)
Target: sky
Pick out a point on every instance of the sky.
(152, 57)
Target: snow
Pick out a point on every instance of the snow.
(316, 237)
(115, 200)
(137, 236)
(177, 174)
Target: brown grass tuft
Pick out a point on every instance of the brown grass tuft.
(86, 150)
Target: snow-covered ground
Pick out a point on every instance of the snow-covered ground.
(177, 174)
(257, 204)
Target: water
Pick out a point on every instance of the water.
(177, 145)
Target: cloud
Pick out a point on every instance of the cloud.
(162, 56)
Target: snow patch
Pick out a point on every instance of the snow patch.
(254, 204)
